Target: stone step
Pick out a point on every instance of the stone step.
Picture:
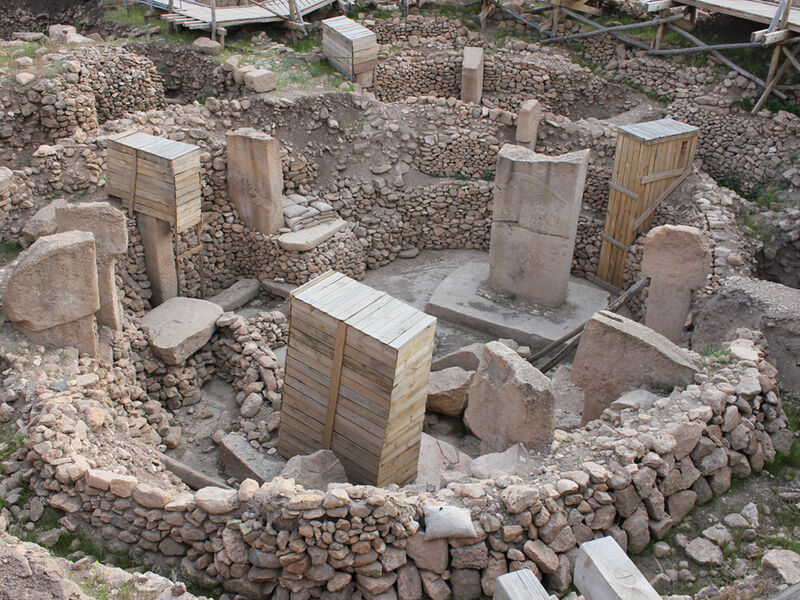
(311, 237)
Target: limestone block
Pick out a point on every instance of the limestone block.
(616, 355)
(243, 461)
(445, 522)
(519, 585)
(447, 391)
(159, 257)
(472, 75)
(510, 401)
(54, 282)
(107, 224)
(316, 470)
(240, 72)
(310, 237)
(604, 572)
(255, 179)
(237, 295)
(437, 457)
(43, 222)
(528, 117)
(58, 33)
(677, 258)
(179, 327)
(205, 45)
(260, 80)
(537, 200)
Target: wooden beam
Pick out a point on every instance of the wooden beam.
(522, 19)
(781, 16)
(603, 30)
(767, 37)
(658, 5)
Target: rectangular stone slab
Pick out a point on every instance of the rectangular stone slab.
(604, 572)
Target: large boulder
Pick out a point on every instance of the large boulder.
(54, 282)
(771, 308)
(205, 45)
(783, 563)
(43, 222)
(316, 470)
(447, 391)
(510, 401)
(616, 355)
(179, 327)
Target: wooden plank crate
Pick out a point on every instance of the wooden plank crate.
(156, 176)
(651, 161)
(356, 378)
(349, 46)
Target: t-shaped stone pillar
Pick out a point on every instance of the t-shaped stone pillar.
(677, 258)
(255, 179)
(528, 118)
(472, 75)
(52, 292)
(537, 200)
(159, 257)
(111, 240)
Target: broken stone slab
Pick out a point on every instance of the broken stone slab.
(510, 401)
(191, 477)
(255, 179)
(437, 457)
(311, 237)
(519, 585)
(616, 355)
(242, 461)
(635, 399)
(260, 80)
(677, 258)
(179, 327)
(604, 572)
(278, 288)
(237, 295)
(488, 466)
(316, 470)
(43, 222)
(472, 74)
(466, 358)
(447, 391)
(205, 45)
(704, 552)
(240, 72)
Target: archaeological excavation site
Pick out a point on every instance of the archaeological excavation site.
(316, 299)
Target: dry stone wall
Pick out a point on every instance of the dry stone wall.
(281, 539)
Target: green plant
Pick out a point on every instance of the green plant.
(717, 354)
(205, 96)
(766, 197)
(758, 230)
(307, 44)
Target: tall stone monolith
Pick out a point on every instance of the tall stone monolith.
(677, 259)
(529, 116)
(472, 75)
(537, 200)
(159, 257)
(255, 179)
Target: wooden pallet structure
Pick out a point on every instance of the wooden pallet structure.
(356, 379)
(160, 178)
(349, 46)
(196, 15)
(680, 16)
(652, 159)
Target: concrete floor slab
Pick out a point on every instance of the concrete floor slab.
(465, 298)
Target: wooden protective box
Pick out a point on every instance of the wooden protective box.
(349, 46)
(356, 378)
(651, 161)
(156, 176)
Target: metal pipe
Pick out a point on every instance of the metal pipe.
(575, 36)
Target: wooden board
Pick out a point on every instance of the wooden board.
(357, 367)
